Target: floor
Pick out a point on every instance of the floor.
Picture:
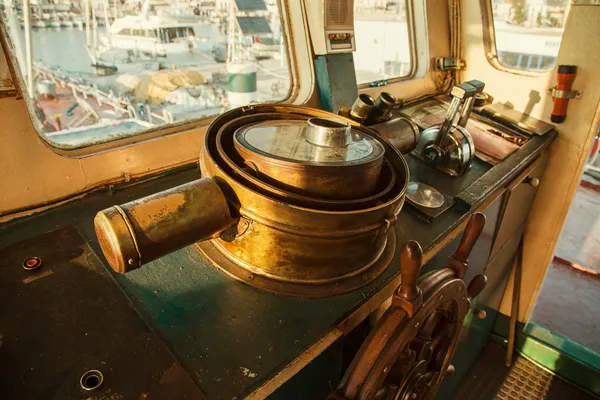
(490, 379)
(570, 295)
(579, 241)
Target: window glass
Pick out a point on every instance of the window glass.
(529, 32)
(102, 70)
(383, 48)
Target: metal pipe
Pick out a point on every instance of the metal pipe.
(28, 47)
(516, 298)
(143, 230)
(401, 132)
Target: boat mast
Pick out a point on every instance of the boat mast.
(145, 8)
(106, 20)
(86, 10)
(95, 25)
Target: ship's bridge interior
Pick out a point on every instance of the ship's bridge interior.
(324, 199)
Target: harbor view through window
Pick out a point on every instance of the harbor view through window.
(529, 32)
(98, 70)
(382, 41)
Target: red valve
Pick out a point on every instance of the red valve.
(564, 77)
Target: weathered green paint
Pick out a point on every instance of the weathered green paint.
(336, 81)
(242, 83)
(558, 354)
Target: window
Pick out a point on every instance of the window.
(528, 33)
(104, 70)
(383, 48)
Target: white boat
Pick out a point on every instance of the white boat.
(66, 23)
(54, 23)
(151, 35)
(78, 22)
(39, 24)
(265, 47)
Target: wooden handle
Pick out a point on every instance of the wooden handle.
(476, 285)
(411, 259)
(470, 236)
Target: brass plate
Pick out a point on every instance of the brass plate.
(309, 289)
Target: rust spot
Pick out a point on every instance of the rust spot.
(171, 374)
(174, 383)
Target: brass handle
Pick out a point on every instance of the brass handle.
(476, 286)
(408, 296)
(411, 258)
(470, 236)
(143, 230)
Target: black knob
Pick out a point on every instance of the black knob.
(432, 154)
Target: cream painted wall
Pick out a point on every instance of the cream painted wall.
(580, 46)
(31, 173)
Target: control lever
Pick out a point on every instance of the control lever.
(450, 147)
(460, 94)
(468, 107)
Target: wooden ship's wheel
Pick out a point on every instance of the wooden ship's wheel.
(407, 354)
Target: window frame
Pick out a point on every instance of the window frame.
(490, 46)
(413, 36)
(302, 78)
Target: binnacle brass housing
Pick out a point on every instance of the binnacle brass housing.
(273, 236)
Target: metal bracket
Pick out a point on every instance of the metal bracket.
(565, 94)
(449, 64)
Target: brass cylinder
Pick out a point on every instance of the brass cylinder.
(143, 230)
(363, 108)
(383, 107)
(402, 133)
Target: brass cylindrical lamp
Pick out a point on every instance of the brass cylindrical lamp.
(143, 230)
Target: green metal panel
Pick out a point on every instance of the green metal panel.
(336, 81)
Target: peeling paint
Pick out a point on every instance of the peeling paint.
(247, 373)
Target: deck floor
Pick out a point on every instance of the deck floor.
(568, 301)
(490, 379)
